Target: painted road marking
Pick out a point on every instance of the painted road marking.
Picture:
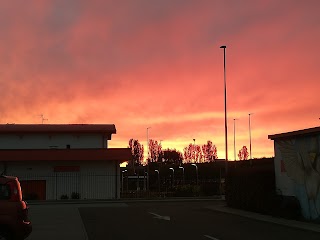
(213, 238)
(167, 218)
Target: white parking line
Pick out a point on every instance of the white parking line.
(213, 238)
(160, 217)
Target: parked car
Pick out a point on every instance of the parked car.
(14, 221)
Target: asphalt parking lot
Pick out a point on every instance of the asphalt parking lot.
(159, 220)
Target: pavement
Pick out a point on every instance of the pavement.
(266, 218)
(62, 220)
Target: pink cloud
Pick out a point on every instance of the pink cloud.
(144, 64)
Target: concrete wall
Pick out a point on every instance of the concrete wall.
(45, 141)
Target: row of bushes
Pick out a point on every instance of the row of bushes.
(74, 195)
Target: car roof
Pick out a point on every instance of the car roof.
(4, 178)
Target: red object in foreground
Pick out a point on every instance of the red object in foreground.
(14, 221)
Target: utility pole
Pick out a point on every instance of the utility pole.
(250, 134)
(234, 138)
(148, 158)
(225, 106)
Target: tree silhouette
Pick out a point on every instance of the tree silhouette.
(171, 156)
(136, 151)
(209, 152)
(243, 153)
(192, 154)
(155, 150)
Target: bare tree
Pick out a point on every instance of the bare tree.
(192, 154)
(243, 153)
(155, 150)
(136, 151)
(209, 152)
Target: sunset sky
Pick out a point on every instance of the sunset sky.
(157, 63)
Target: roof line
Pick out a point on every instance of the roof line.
(308, 131)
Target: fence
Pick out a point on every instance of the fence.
(139, 187)
(76, 185)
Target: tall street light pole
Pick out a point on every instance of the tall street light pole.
(225, 105)
(148, 158)
(234, 138)
(250, 134)
(194, 149)
(148, 142)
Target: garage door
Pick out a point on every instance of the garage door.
(33, 189)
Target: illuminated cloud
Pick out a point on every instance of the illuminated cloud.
(157, 63)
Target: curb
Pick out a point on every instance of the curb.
(123, 200)
(265, 218)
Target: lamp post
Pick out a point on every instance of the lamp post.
(182, 173)
(250, 134)
(172, 175)
(148, 143)
(157, 171)
(123, 179)
(194, 149)
(146, 175)
(148, 157)
(234, 138)
(225, 105)
(195, 165)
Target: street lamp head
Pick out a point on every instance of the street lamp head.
(223, 47)
(181, 167)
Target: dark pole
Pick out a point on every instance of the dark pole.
(157, 171)
(234, 139)
(148, 161)
(250, 134)
(225, 106)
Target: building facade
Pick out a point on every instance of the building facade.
(62, 161)
(297, 168)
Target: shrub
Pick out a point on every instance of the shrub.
(75, 195)
(64, 196)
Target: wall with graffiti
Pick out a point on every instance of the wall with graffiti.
(297, 170)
